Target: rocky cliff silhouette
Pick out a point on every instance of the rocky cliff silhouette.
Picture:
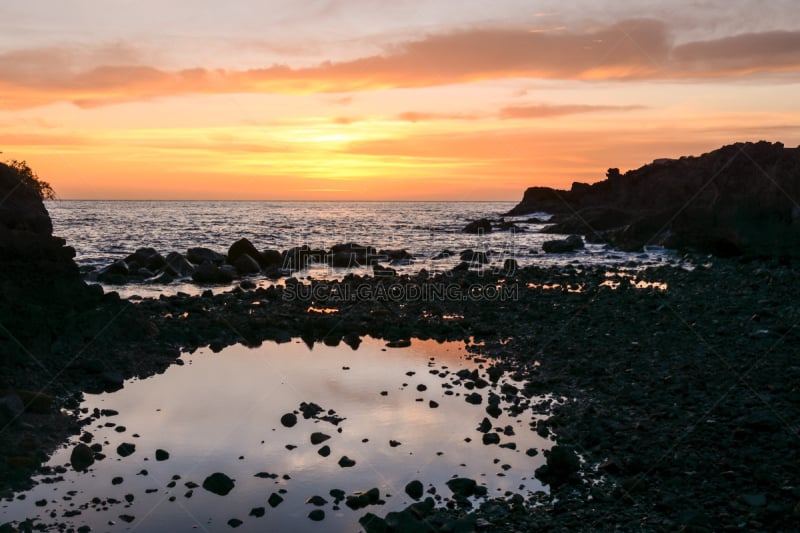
(743, 198)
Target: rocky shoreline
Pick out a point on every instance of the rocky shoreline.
(683, 402)
(681, 385)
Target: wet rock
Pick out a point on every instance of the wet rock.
(415, 489)
(245, 264)
(561, 246)
(482, 225)
(317, 500)
(274, 499)
(270, 258)
(127, 518)
(235, 522)
(324, 451)
(473, 398)
(209, 272)
(400, 343)
(147, 258)
(289, 420)
(175, 264)
(125, 449)
(241, 248)
(346, 462)
(200, 255)
(257, 512)
(562, 464)
(162, 455)
(81, 457)
(491, 438)
(117, 273)
(318, 438)
(394, 443)
(218, 483)
(117, 480)
(373, 524)
(485, 425)
(462, 486)
(317, 515)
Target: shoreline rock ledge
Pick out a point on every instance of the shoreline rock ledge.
(741, 199)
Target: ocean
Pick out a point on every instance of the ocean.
(104, 231)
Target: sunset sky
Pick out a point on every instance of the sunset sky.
(379, 99)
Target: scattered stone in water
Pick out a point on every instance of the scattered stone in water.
(191, 485)
(125, 449)
(289, 419)
(317, 515)
(394, 443)
(129, 498)
(324, 451)
(317, 500)
(346, 462)
(415, 489)
(81, 457)
(422, 387)
(290, 447)
(317, 438)
(117, 480)
(266, 475)
(258, 512)
(509, 445)
(162, 455)
(274, 500)
(384, 393)
(491, 438)
(433, 405)
(41, 503)
(235, 522)
(218, 483)
(473, 398)
(462, 486)
(127, 518)
(485, 425)
(120, 429)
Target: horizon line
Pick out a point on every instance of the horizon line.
(266, 200)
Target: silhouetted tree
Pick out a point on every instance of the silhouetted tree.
(29, 179)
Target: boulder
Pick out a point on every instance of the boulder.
(117, 272)
(245, 264)
(562, 246)
(82, 457)
(271, 258)
(200, 255)
(147, 258)
(482, 225)
(177, 265)
(240, 248)
(210, 273)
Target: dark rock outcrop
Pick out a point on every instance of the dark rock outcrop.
(482, 225)
(562, 246)
(739, 199)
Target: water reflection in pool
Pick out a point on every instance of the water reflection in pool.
(400, 414)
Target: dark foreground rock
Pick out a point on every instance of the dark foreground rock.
(49, 320)
(739, 199)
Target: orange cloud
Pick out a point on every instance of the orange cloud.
(628, 50)
(547, 111)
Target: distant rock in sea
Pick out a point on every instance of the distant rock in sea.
(741, 199)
